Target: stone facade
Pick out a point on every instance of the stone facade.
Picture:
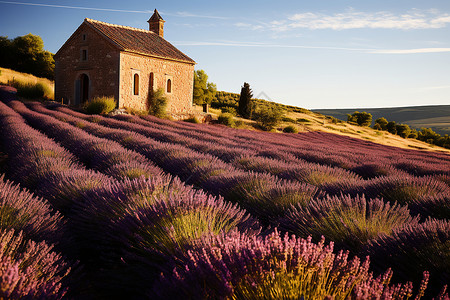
(101, 67)
(181, 77)
(92, 64)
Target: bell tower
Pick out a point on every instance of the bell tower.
(156, 24)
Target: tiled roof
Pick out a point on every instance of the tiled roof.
(139, 41)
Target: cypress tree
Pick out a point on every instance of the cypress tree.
(245, 107)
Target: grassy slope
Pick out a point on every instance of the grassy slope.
(8, 74)
(318, 122)
(434, 117)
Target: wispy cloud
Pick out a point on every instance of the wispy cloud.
(352, 19)
(265, 45)
(175, 14)
(411, 51)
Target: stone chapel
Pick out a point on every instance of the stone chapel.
(102, 59)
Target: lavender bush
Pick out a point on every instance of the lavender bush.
(22, 211)
(348, 221)
(30, 270)
(275, 267)
(414, 249)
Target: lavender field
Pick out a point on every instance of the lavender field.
(130, 207)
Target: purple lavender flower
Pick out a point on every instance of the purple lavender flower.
(347, 221)
(29, 269)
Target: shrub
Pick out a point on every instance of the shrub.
(303, 120)
(360, 118)
(22, 211)
(30, 270)
(414, 249)
(229, 109)
(226, 119)
(380, 124)
(100, 105)
(133, 169)
(157, 103)
(267, 117)
(193, 119)
(274, 267)
(349, 222)
(290, 129)
(31, 90)
(406, 189)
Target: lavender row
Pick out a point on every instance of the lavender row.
(279, 267)
(30, 268)
(262, 195)
(138, 258)
(100, 154)
(315, 146)
(426, 196)
(322, 148)
(178, 215)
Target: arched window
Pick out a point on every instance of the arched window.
(152, 81)
(136, 84)
(169, 85)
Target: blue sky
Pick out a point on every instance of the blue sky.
(312, 54)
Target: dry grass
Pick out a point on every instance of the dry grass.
(11, 75)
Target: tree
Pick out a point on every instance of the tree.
(5, 52)
(392, 127)
(403, 130)
(360, 118)
(204, 91)
(268, 116)
(26, 54)
(413, 134)
(382, 123)
(245, 105)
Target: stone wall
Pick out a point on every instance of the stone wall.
(180, 74)
(101, 66)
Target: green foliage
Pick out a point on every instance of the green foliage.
(377, 127)
(382, 123)
(245, 99)
(26, 54)
(413, 134)
(333, 119)
(403, 130)
(30, 90)
(391, 127)
(194, 120)
(100, 105)
(226, 119)
(229, 109)
(204, 91)
(360, 118)
(288, 120)
(268, 116)
(290, 129)
(157, 102)
(302, 120)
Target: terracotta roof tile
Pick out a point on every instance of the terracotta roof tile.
(139, 41)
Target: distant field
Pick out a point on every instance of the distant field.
(436, 117)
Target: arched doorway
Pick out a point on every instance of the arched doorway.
(84, 88)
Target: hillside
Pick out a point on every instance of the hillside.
(435, 117)
(306, 121)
